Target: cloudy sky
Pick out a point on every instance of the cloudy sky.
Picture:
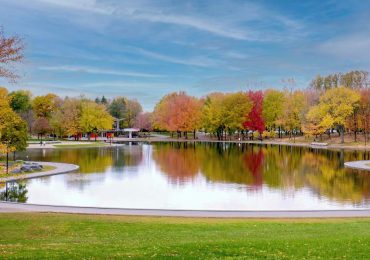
(144, 49)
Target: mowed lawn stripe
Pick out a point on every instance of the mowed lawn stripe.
(46, 235)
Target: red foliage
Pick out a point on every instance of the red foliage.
(254, 162)
(255, 120)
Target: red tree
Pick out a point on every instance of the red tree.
(255, 120)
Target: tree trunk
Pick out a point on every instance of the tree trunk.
(7, 161)
(194, 135)
(341, 132)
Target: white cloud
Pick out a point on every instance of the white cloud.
(91, 70)
(192, 61)
(351, 46)
(224, 24)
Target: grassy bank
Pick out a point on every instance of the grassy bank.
(3, 173)
(37, 235)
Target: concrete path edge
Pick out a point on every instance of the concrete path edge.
(60, 168)
(20, 207)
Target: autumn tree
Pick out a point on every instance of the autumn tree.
(273, 109)
(71, 115)
(178, 112)
(254, 120)
(13, 130)
(213, 114)
(94, 117)
(144, 121)
(11, 52)
(43, 106)
(225, 113)
(293, 112)
(133, 110)
(316, 121)
(339, 103)
(41, 127)
(356, 79)
(364, 111)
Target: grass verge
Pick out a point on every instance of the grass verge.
(46, 235)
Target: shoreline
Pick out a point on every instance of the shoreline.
(60, 168)
(359, 165)
(20, 207)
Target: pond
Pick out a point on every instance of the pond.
(201, 176)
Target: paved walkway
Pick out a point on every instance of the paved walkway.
(18, 207)
(59, 169)
(361, 165)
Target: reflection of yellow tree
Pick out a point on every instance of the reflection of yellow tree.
(177, 162)
(281, 169)
(225, 163)
(89, 160)
(327, 179)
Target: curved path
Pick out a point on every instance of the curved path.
(19, 207)
(360, 165)
(59, 169)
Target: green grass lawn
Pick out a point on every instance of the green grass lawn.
(46, 235)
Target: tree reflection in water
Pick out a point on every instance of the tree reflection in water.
(13, 192)
(285, 169)
(279, 167)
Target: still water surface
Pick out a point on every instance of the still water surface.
(199, 176)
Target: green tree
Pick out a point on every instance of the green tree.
(118, 107)
(133, 110)
(20, 101)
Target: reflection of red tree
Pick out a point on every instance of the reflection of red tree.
(179, 165)
(253, 161)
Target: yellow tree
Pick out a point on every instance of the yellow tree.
(43, 106)
(316, 121)
(94, 117)
(71, 115)
(273, 108)
(224, 113)
(293, 111)
(339, 103)
(212, 114)
(13, 130)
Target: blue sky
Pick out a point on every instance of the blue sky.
(144, 49)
